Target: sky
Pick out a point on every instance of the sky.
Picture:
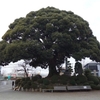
(12, 69)
(13, 9)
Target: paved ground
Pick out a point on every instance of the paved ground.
(5, 85)
(6, 93)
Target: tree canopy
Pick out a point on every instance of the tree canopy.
(48, 35)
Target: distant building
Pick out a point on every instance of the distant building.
(94, 67)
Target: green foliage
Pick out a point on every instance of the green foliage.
(91, 82)
(94, 79)
(40, 81)
(27, 79)
(81, 79)
(54, 79)
(87, 72)
(95, 87)
(46, 82)
(72, 80)
(49, 82)
(23, 83)
(46, 36)
(34, 86)
(78, 80)
(44, 87)
(17, 82)
(25, 86)
(36, 78)
(98, 78)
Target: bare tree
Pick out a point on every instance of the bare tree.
(25, 67)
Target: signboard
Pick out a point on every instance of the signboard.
(9, 77)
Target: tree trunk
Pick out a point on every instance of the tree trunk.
(25, 72)
(52, 68)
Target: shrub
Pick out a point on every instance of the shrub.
(86, 83)
(50, 86)
(37, 77)
(25, 86)
(91, 82)
(98, 79)
(63, 81)
(46, 82)
(44, 86)
(98, 87)
(17, 82)
(95, 87)
(81, 79)
(72, 80)
(54, 79)
(40, 81)
(63, 77)
(27, 79)
(94, 79)
(23, 79)
(29, 83)
(22, 83)
(34, 86)
(87, 72)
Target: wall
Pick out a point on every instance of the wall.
(98, 70)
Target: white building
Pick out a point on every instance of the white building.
(94, 67)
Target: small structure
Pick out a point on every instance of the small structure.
(79, 88)
(1, 76)
(59, 88)
(55, 89)
(94, 67)
(66, 67)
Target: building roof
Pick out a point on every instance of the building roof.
(92, 66)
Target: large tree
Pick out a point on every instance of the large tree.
(46, 36)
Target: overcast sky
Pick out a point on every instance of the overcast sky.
(12, 9)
